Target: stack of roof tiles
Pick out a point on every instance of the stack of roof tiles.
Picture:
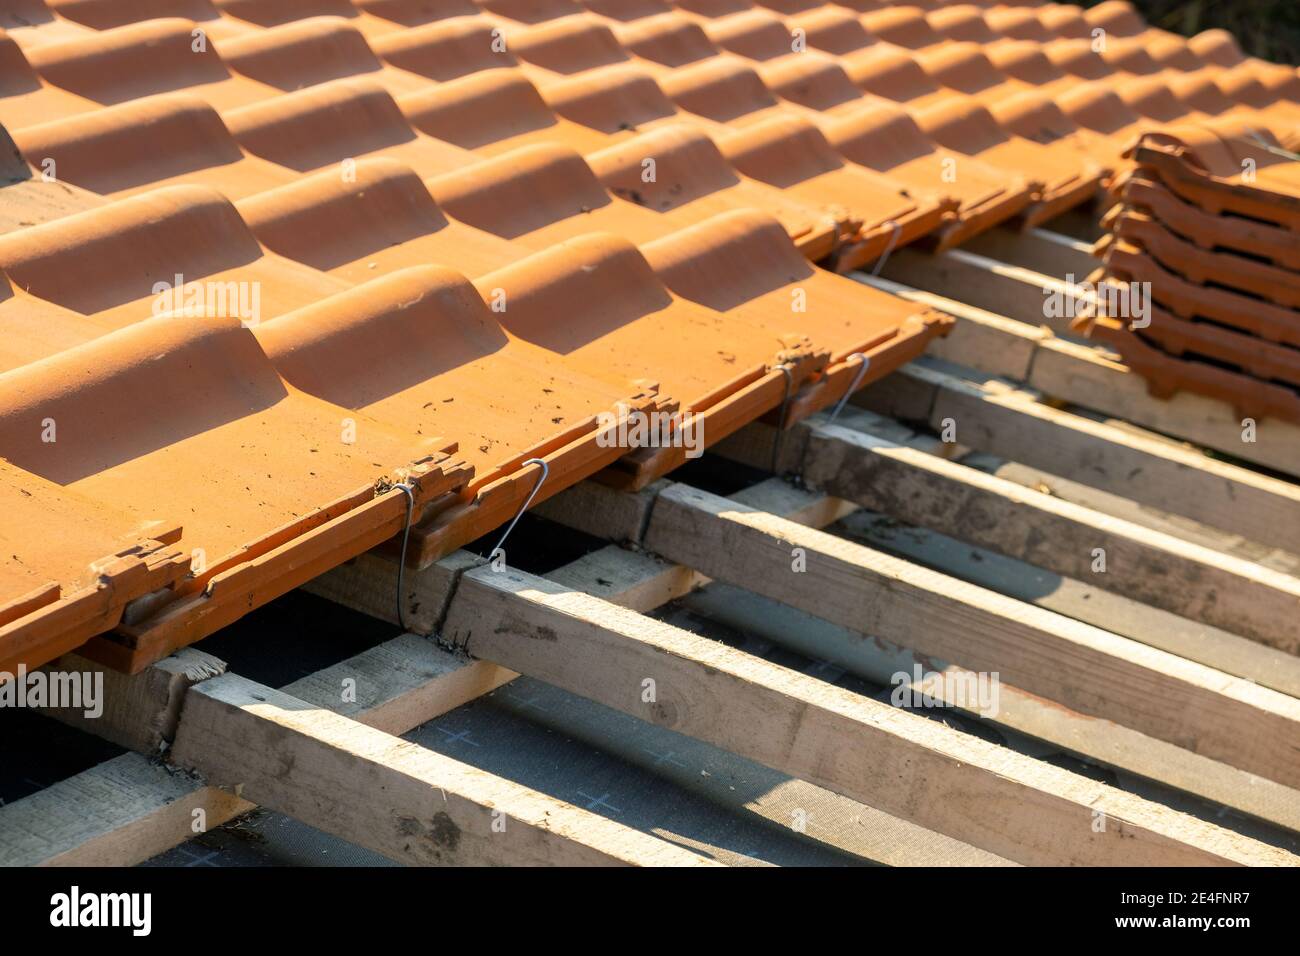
(1210, 226)
(471, 234)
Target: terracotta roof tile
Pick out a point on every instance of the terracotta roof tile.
(336, 122)
(104, 151)
(356, 160)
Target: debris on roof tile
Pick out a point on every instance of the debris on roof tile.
(476, 229)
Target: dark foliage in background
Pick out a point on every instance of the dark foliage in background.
(1264, 28)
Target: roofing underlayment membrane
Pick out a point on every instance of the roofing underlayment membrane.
(283, 279)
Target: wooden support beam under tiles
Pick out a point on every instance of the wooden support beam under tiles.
(1081, 667)
(140, 711)
(118, 813)
(1081, 600)
(327, 771)
(1029, 721)
(398, 685)
(1009, 290)
(399, 693)
(895, 761)
(1041, 250)
(642, 582)
(1158, 569)
(1013, 423)
(612, 572)
(1126, 617)
(1092, 378)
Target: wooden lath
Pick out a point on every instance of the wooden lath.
(1186, 682)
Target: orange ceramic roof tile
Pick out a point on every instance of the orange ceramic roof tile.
(893, 73)
(617, 101)
(500, 110)
(723, 89)
(1097, 107)
(1174, 52)
(540, 194)
(832, 30)
(73, 565)
(622, 320)
(812, 80)
(1188, 300)
(1130, 56)
(530, 11)
(32, 328)
(1166, 376)
(335, 122)
(668, 39)
(885, 138)
(274, 13)
(411, 13)
(969, 129)
(1024, 23)
(963, 22)
(1154, 92)
(1025, 61)
(1061, 20)
(755, 34)
(783, 152)
(790, 7)
(307, 52)
(1037, 117)
(1265, 361)
(446, 49)
(1217, 46)
(693, 181)
(1205, 341)
(1237, 233)
(420, 351)
(170, 414)
(26, 98)
(1207, 169)
(1117, 18)
(1152, 98)
(106, 14)
(792, 154)
(902, 26)
(625, 11)
(381, 220)
(157, 56)
(141, 144)
(1203, 266)
(1202, 92)
(35, 21)
(565, 47)
(743, 265)
(712, 9)
(1242, 83)
(966, 68)
(106, 263)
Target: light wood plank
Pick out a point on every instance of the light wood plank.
(901, 763)
(139, 710)
(394, 797)
(1093, 378)
(1011, 291)
(1032, 725)
(1040, 250)
(119, 813)
(1014, 424)
(1150, 566)
(1084, 668)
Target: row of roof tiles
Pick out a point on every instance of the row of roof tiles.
(338, 157)
(1210, 224)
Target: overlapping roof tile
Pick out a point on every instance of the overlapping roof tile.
(476, 229)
